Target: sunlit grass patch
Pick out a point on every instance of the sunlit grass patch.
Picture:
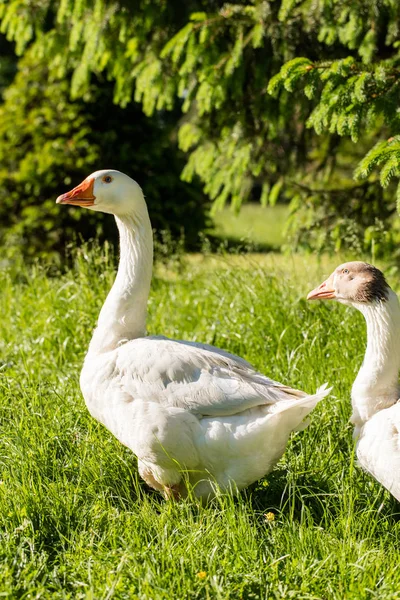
(75, 519)
(255, 224)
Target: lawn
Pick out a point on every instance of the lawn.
(254, 224)
(75, 520)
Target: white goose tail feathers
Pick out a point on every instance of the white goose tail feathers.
(298, 409)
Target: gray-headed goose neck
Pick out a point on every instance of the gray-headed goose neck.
(376, 386)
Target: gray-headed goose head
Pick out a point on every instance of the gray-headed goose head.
(353, 283)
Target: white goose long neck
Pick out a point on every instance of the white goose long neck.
(376, 386)
(123, 316)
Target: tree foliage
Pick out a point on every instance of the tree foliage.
(49, 143)
(269, 91)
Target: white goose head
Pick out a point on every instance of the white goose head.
(357, 283)
(108, 191)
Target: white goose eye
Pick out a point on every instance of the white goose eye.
(107, 179)
(345, 271)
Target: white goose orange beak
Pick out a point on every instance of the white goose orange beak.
(325, 291)
(81, 195)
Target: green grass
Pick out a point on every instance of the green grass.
(255, 224)
(75, 520)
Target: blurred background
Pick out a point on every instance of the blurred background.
(268, 124)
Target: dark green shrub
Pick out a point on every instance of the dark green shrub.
(49, 143)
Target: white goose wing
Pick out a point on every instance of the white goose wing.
(199, 378)
(378, 449)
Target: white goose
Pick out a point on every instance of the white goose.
(190, 412)
(375, 392)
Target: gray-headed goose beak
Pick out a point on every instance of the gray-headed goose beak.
(325, 291)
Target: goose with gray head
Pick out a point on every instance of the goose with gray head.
(375, 392)
(190, 412)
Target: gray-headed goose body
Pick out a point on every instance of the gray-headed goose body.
(375, 392)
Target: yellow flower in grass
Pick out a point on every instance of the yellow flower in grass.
(201, 574)
(270, 516)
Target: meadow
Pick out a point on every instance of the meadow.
(254, 224)
(77, 522)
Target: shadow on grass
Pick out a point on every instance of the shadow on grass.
(278, 494)
(235, 245)
(324, 503)
(308, 498)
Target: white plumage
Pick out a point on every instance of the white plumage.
(378, 448)
(375, 395)
(190, 412)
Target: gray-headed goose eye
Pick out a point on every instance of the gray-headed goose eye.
(345, 271)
